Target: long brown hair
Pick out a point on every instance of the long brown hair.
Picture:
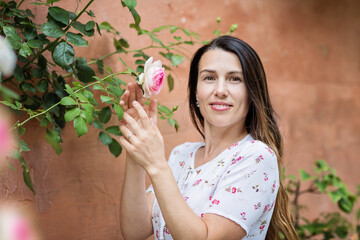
(260, 120)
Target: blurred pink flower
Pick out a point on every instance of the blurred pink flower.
(152, 79)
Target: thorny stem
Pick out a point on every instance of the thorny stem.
(17, 124)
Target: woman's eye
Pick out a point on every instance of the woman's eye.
(209, 78)
(235, 79)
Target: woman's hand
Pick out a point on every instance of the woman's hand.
(132, 93)
(142, 139)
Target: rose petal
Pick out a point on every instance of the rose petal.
(157, 64)
(148, 63)
(141, 78)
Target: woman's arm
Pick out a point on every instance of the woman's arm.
(135, 205)
(146, 147)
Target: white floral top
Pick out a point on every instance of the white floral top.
(241, 184)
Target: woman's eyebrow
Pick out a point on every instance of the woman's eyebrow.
(207, 70)
(235, 72)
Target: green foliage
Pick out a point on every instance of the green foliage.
(55, 86)
(324, 181)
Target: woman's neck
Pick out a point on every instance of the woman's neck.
(217, 138)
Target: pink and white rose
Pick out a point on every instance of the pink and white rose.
(152, 79)
(7, 57)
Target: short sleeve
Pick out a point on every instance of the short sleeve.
(246, 192)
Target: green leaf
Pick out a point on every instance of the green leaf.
(131, 4)
(164, 109)
(25, 51)
(322, 165)
(304, 175)
(63, 54)
(68, 101)
(76, 39)
(171, 122)
(98, 87)
(26, 175)
(88, 117)
(28, 87)
(105, 115)
(346, 205)
(170, 80)
(87, 107)
(18, 74)
(177, 38)
(30, 32)
(105, 98)
(89, 25)
(173, 29)
(10, 33)
(335, 196)
(53, 139)
(35, 43)
(51, 29)
(42, 85)
(82, 28)
(80, 126)
(176, 59)
(105, 138)
(136, 17)
(119, 111)
(321, 185)
(115, 148)
(139, 62)
(114, 130)
(21, 131)
(23, 146)
(98, 125)
(71, 114)
(84, 73)
(59, 14)
(158, 29)
(100, 65)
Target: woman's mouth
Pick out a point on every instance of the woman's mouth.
(220, 106)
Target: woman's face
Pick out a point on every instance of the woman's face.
(221, 91)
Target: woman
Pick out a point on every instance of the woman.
(225, 188)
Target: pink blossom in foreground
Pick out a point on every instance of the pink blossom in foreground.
(152, 79)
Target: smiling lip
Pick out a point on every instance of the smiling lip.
(220, 106)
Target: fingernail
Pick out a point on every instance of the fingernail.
(135, 103)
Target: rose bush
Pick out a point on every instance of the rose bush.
(152, 79)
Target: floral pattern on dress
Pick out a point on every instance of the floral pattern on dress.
(241, 184)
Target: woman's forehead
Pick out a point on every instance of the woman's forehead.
(219, 60)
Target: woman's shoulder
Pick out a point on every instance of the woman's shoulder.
(256, 148)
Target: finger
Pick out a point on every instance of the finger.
(132, 124)
(139, 95)
(124, 100)
(126, 133)
(145, 121)
(131, 88)
(153, 111)
(123, 142)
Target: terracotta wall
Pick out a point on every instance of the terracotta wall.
(311, 53)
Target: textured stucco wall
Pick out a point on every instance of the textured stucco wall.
(311, 53)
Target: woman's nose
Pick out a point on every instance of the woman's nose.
(221, 89)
